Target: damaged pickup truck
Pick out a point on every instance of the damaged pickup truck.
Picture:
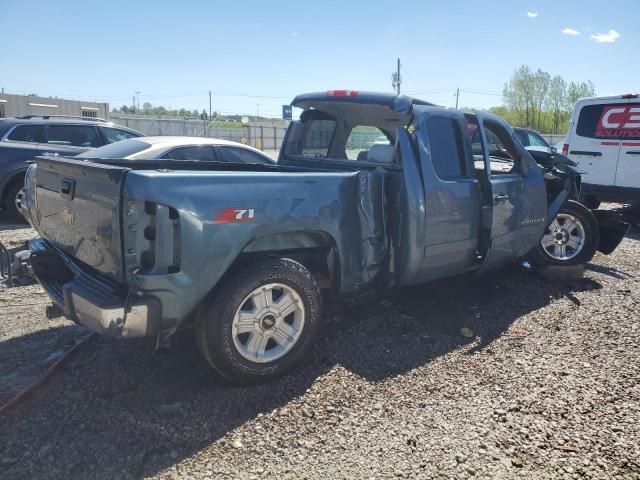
(371, 191)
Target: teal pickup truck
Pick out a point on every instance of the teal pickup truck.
(371, 191)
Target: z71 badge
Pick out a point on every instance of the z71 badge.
(234, 215)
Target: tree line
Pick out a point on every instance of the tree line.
(535, 99)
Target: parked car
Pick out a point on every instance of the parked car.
(23, 138)
(604, 140)
(136, 249)
(179, 148)
(532, 140)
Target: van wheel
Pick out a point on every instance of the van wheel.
(15, 197)
(571, 239)
(262, 322)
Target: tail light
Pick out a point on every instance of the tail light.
(565, 149)
(342, 93)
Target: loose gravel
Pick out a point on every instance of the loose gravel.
(501, 376)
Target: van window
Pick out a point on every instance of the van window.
(612, 120)
(361, 139)
(445, 145)
(317, 138)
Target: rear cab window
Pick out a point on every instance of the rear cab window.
(317, 138)
(362, 139)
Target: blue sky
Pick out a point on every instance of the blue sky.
(264, 52)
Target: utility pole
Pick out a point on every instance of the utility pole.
(209, 104)
(138, 98)
(396, 79)
(457, 96)
(258, 108)
(133, 102)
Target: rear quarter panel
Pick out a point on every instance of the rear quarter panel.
(347, 206)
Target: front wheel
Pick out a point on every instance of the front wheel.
(262, 322)
(571, 239)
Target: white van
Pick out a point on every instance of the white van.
(604, 140)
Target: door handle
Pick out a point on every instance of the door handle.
(582, 152)
(501, 198)
(633, 152)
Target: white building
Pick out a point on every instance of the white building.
(20, 105)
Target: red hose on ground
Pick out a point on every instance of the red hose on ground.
(41, 379)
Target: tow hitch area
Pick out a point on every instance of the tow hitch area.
(15, 267)
(612, 228)
(5, 264)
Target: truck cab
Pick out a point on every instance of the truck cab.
(461, 192)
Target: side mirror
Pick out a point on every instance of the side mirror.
(553, 149)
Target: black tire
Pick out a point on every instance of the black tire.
(590, 202)
(214, 320)
(14, 214)
(540, 257)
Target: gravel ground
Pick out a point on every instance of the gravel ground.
(547, 387)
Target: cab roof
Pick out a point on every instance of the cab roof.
(397, 103)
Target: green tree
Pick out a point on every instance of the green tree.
(556, 101)
(579, 90)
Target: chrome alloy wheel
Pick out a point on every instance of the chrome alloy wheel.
(19, 199)
(268, 323)
(564, 238)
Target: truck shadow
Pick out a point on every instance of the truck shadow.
(146, 412)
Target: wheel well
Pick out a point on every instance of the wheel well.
(315, 250)
(12, 181)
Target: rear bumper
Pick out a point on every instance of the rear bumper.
(89, 299)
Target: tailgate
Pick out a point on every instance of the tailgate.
(76, 207)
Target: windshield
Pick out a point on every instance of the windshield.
(120, 149)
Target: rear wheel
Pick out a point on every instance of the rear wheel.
(571, 239)
(262, 322)
(15, 197)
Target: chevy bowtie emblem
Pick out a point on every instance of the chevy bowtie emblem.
(68, 217)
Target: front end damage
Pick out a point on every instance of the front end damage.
(563, 182)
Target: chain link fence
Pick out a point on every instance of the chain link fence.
(261, 136)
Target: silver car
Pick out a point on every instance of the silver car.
(180, 148)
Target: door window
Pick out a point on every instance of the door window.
(502, 153)
(361, 140)
(73, 135)
(27, 133)
(112, 135)
(201, 153)
(522, 137)
(536, 140)
(445, 145)
(242, 155)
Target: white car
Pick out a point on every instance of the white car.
(604, 140)
(180, 148)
